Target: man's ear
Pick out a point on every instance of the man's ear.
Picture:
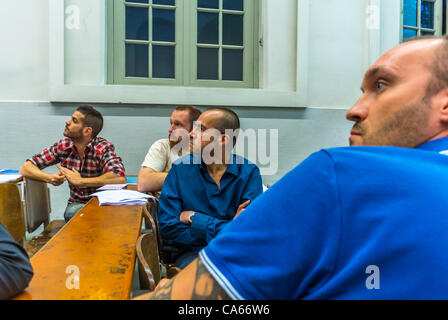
(87, 131)
(440, 100)
(225, 139)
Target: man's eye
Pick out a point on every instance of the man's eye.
(379, 85)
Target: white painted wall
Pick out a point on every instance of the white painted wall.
(24, 67)
(85, 43)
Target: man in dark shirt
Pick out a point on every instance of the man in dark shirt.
(206, 189)
(15, 268)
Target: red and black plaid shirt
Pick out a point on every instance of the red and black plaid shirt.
(99, 158)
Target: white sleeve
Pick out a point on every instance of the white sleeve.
(157, 156)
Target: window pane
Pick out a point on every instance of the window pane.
(427, 33)
(136, 60)
(232, 29)
(165, 2)
(163, 25)
(427, 15)
(233, 5)
(213, 4)
(408, 33)
(136, 23)
(410, 13)
(138, 1)
(208, 27)
(232, 65)
(208, 63)
(163, 62)
(444, 20)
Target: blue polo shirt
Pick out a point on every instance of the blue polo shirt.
(15, 267)
(347, 223)
(189, 186)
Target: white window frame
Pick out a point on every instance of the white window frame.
(172, 95)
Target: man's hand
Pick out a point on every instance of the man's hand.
(73, 176)
(56, 179)
(241, 208)
(185, 216)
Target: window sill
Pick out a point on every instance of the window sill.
(135, 94)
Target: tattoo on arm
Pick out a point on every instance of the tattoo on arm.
(205, 286)
(163, 293)
(200, 283)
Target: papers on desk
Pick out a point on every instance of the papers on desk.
(112, 187)
(7, 175)
(121, 197)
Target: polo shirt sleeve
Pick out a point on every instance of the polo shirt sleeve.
(285, 244)
(157, 157)
(15, 268)
(170, 207)
(47, 157)
(111, 162)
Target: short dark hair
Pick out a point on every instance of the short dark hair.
(193, 113)
(229, 121)
(92, 118)
(439, 69)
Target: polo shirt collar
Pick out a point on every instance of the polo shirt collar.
(438, 145)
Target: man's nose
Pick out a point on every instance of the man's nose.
(358, 111)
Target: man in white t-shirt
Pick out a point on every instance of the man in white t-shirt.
(165, 151)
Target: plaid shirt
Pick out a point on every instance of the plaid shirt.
(99, 158)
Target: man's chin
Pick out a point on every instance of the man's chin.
(355, 141)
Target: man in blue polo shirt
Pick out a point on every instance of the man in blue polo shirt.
(362, 222)
(206, 189)
(15, 267)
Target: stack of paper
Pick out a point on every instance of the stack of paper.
(112, 187)
(121, 197)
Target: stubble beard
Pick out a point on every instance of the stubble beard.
(406, 128)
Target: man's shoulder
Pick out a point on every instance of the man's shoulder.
(101, 145)
(64, 144)
(161, 145)
(189, 159)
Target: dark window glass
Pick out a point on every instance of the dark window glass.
(427, 15)
(408, 33)
(138, 1)
(410, 13)
(211, 4)
(232, 65)
(165, 2)
(427, 33)
(136, 23)
(163, 62)
(444, 18)
(208, 63)
(136, 60)
(233, 5)
(232, 29)
(208, 28)
(163, 25)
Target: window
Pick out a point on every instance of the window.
(445, 17)
(422, 17)
(184, 42)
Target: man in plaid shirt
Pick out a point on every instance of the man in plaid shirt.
(86, 161)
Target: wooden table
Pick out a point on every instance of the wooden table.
(99, 241)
